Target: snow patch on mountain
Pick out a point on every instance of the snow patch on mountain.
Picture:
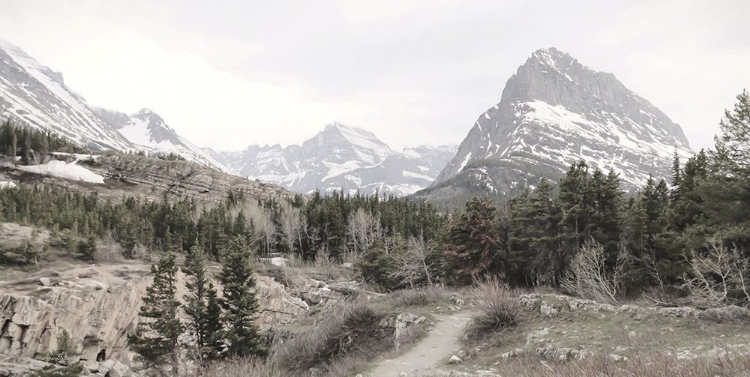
(62, 169)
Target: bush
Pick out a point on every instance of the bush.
(350, 330)
(499, 309)
(589, 277)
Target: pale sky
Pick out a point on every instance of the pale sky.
(230, 73)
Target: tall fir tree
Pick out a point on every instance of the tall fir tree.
(475, 240)
(201, 306)
(155, 339)
(239, 302)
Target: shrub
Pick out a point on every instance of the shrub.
(718, 278)
(499, 309)
(589, 277)
(350, 330)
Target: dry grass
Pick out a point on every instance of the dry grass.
(657, 365)
(244, 368)
(419, 297)
(498, 309)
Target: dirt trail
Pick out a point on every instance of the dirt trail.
(436, 348)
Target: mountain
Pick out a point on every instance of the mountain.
(340, 158)
(553, 112)
(148, 132)
(35, 95)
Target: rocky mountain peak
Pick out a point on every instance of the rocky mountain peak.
(555, 111)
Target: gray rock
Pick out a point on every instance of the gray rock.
(617, 358)
(454, 360)
(727, 313)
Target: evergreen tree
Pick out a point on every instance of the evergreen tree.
(239, 302)
(88, 249)
(475, 240)
(204, 324)
(155, 339)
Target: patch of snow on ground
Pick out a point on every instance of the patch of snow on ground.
(61, 169)
(7, 184)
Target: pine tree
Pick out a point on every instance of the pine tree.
(155, 339)
(239, 302)
(88, 249)
(201, 305)
(475, 240)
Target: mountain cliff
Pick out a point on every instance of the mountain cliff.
(553, 112)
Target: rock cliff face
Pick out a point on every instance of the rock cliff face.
(98, 305)
(555, 111)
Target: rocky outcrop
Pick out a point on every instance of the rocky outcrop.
(131, 175)
(98, 305)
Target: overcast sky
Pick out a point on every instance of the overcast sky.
(230, 73)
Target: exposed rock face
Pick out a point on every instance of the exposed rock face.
(132, 175)
(341, 158)
(555, 111)
(98, 306)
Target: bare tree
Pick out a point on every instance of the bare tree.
(263, 227)
(363, 228)
(291, 225)
(587, 275)
(719, 277)
(411, 265)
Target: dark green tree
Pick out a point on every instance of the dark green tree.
(155, 338)
(474, 241)
(201, 306)
(239, 302)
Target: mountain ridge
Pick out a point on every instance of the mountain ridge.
(340, 158)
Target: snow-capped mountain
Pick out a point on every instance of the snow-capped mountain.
(340, 158)
(35, 95)
(553, 112)
(148, 132)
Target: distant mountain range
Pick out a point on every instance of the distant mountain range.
(554, 112)
(35, 95)
(341, 158)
